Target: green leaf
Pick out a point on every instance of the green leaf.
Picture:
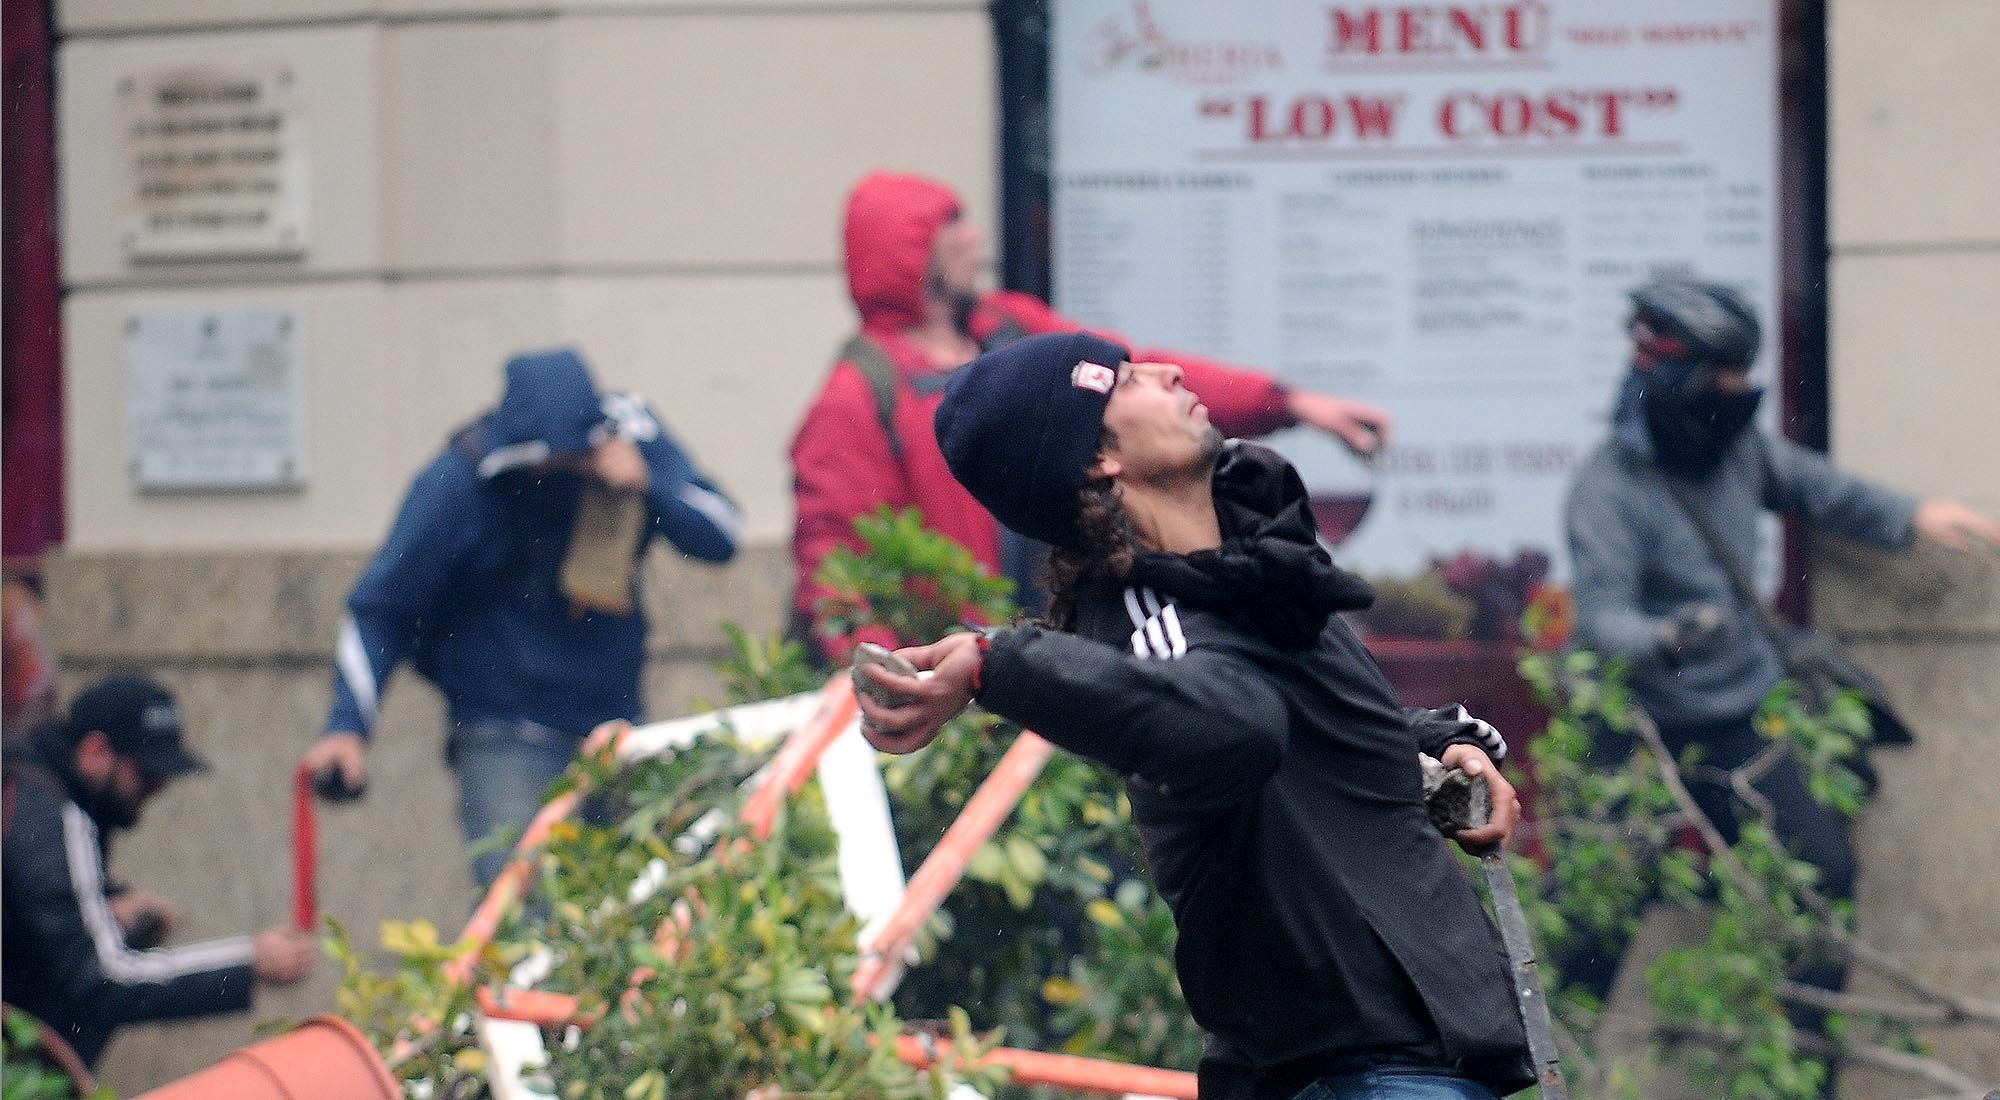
(988, 863)
(1026, 859)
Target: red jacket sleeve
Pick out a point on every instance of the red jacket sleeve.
(1241, 401)
(841, 469)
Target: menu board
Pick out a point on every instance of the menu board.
(1436, 208)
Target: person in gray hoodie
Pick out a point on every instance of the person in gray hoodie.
(1649, 589)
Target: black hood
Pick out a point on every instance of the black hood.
(1270, 576)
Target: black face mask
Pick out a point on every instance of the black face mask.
(107, 808)
(1691, 424)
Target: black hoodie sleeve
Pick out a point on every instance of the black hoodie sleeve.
(1206, 727)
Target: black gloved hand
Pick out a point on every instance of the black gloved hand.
(149, 930)
(1694, 630)
(331, 785)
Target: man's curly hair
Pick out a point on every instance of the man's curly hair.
(1105, 545)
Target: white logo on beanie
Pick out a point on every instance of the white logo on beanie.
(1093, 376)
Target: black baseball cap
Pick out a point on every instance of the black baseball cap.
(142, 722)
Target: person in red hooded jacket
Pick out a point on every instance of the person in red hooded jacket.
(914, 266)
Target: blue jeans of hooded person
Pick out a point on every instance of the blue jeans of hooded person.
(504, 767)
(1395, 1082)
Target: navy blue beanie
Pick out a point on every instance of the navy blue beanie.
(1019, 428)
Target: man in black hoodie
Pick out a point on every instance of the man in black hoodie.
(1330, 947)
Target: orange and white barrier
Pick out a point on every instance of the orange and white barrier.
(822, 734)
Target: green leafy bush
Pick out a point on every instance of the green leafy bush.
(909, 579)
(727, 975)
(27, 1071)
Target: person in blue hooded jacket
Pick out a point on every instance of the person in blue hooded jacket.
(479, 586)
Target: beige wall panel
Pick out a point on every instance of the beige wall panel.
(449, 344)
(1912, 91)
(1929, 590)
(732, 139)
(338, 73)
(351, 409)
(1914, 392)
(1927, 857)
(469, 144)
(124, 15)
(730, 363)
(688, 602)
(419, 9)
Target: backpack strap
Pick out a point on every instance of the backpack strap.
(880, 374)
(1008, 331)
(1768, 623)
(470, 442)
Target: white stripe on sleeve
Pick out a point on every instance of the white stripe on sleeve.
(1170, 617)
(352, 658)
(715, 508)
(1132, 609)
(1138, 617)
(499, 460)
(1157, 637)
(120, 963)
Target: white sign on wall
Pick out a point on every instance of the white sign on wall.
(214, 163)
(1435, 207)
(216, 399)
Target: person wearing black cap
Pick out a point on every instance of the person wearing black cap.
(1328, 940)
(1650, 589)
(78, 955)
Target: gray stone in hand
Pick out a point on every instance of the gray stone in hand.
(1453, 799)
(868, 653)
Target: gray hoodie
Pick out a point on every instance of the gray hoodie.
(1638, 557)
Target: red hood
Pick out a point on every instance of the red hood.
(892, 222)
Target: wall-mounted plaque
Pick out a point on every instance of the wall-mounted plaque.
(216, 399)
(214, 163)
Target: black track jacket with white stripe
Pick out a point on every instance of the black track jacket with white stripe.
(66, 960)
(1279, 800)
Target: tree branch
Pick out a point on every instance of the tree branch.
(1827, 1000)
(1670, 775)
(1902, 1063)
(1939, 1073)
(1959, 1006)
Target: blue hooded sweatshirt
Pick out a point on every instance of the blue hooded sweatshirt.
(468, 584)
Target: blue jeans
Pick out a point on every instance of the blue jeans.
(1391, 1082)
(503, 767)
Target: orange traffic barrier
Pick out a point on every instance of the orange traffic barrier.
(789, 769)
(989, 806)
(534, 1006)
(941, 871)
(1064, 1071)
